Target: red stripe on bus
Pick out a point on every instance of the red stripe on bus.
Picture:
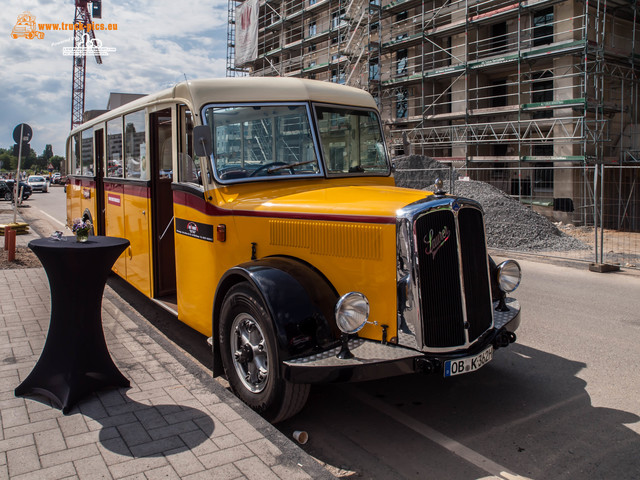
(199, 204)
(128, 189)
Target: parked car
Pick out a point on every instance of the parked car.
(6, 189)
(38, 183)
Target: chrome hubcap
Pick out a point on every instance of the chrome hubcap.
(250, 356)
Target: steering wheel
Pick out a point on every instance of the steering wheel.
(269, 165)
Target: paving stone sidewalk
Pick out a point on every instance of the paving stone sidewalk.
(174, 421)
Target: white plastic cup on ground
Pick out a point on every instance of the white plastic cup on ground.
(301, 436)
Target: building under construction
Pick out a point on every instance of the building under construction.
(498, 84)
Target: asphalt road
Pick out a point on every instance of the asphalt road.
(46, 212)
(561, 403)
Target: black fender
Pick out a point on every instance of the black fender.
(298, 297)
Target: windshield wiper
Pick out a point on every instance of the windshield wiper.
(288, 165)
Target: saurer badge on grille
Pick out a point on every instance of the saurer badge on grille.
(434, 242)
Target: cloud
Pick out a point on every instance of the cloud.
(156, 43)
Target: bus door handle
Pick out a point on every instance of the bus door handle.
(130, 253)
(166, 228)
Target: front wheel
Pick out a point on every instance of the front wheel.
(8, 196)
(250, 357)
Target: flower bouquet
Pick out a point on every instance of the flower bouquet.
(81, 228)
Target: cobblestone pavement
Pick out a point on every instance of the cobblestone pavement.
(174, 421)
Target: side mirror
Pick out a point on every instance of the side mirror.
(202, 142)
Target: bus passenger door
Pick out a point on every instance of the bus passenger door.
(114, 220)
(163, 247)
(100, 209)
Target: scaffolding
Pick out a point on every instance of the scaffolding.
(485, 85)
(472, 80)
(334, 40)
(232, 70)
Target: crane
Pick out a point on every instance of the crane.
(81, 38)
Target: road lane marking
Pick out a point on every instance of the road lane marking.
(448, 443)
(52, 218)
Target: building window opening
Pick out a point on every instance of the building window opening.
(542, 174)
(337, 18)
(542, 178)
(337, 76)
(543, 27)
(402, 103)
(338, 39)
(374, 71)
(498, 37)
(542, 92)
(499, 93)
(402, 61)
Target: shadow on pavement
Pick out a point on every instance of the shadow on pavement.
(149, 431)
(528, 411)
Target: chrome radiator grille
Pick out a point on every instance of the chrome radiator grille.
(442, 310)
(448, 292)
(477, 291)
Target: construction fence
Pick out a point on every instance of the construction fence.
(598, 206)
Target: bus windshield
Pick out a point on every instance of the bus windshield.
(262, 141)
(351, 141)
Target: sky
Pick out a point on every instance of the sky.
(157, 43)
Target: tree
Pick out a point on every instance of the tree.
(39, 164)
(47, 153)
(28, 160)
(10, 161)
(7, 160)
(56, 161)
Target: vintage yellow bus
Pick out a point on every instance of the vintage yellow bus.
(263, 213)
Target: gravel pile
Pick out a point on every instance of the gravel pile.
(416, 171)
(509, 224)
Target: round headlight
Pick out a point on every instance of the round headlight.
(509, 275)
(352, 312)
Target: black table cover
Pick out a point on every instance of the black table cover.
(75, 360)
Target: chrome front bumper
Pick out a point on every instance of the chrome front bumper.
(372, 360)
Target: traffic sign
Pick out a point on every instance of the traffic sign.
(27, 133)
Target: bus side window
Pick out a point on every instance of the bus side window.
(86, 154)
(75, 167)
(188, 164)
(135, 146)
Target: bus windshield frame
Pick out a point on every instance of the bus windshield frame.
(352, 141)
(262, 141)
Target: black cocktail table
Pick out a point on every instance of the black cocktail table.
(75, 360)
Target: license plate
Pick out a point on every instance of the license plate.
(467, 364)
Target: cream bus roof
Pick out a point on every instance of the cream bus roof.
(253, 89)
(247, 89)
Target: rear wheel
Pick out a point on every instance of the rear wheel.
(8, 196)
(250, 357)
